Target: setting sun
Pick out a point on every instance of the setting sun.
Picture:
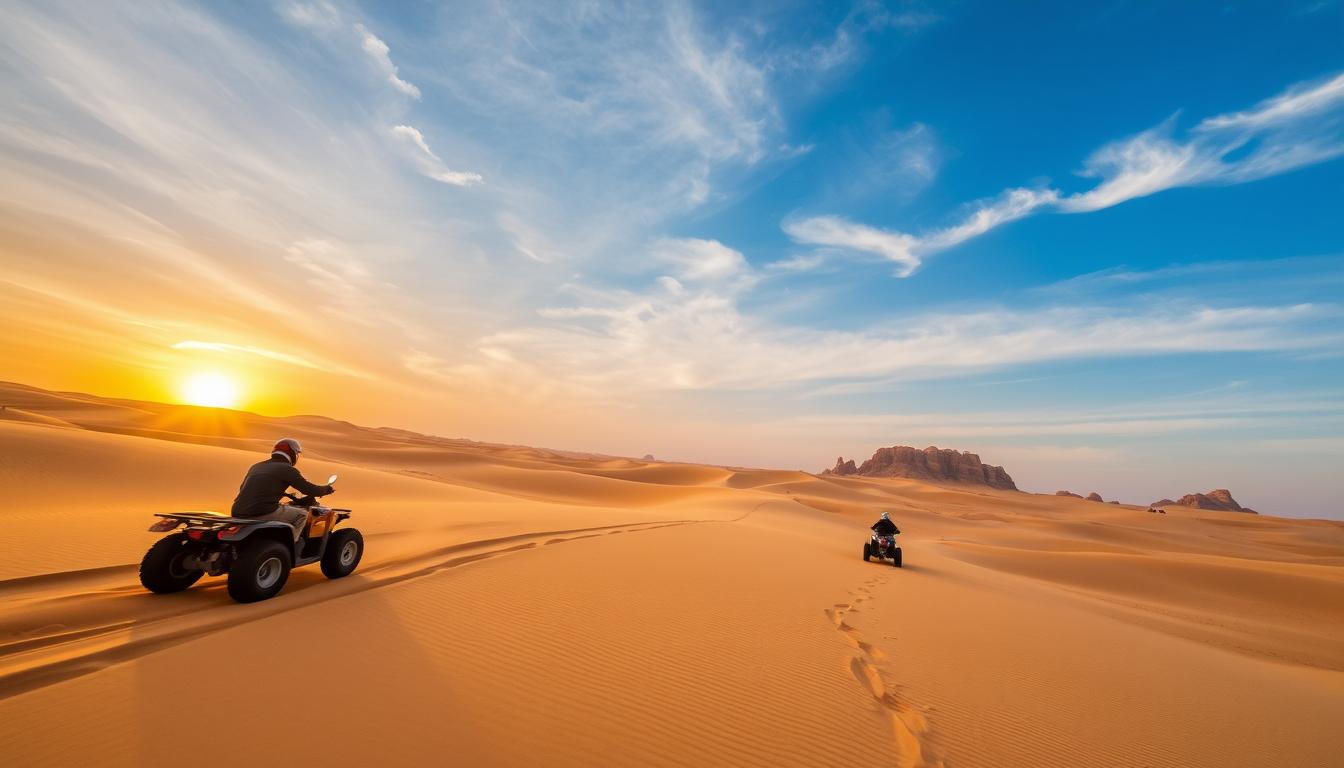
(213, 390)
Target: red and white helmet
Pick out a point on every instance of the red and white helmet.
(289, 448)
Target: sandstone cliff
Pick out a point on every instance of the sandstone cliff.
(936, 464)
(1218, 499)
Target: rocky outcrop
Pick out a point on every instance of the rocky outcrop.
(1094, 496)
(935, 464)
(842, 467)
(1219, 499)
(648, 457)
(1068, 493)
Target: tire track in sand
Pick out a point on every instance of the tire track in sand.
(57, 652)
(910, 728)
(52, 657)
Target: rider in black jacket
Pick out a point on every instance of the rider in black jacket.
(884, 526)
(267, 481)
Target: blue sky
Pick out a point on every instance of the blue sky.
(1097, 243)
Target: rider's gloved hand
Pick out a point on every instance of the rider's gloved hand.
(328, 490)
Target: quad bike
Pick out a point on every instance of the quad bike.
(883, 546)
(256, 554)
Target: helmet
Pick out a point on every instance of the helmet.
(289, 448)
(885, 516)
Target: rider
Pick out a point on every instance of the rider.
(267, 481)
(884, 526)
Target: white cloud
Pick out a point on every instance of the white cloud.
(1136, 167)
(688, 331)
(1300, 127)
(326, 20)
(699, 260)
(627, 90)
(907, 250)
(429, 163)
(835, 232)
(1299, 101)
(847, 42)
(1012, 205)
(380, 56)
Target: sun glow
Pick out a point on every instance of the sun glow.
(212, 390)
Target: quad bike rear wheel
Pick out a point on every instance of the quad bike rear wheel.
(344, 550)
(261, 570)
(163, 571)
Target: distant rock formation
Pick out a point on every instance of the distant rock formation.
(1219, 499)
(936, 464)
(1112, 502)
(1094, 496)
(842, 467)
(1068, 493)
(648, 457)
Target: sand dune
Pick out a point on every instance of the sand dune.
(528, 606)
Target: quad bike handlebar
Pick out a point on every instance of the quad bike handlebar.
(311, 499)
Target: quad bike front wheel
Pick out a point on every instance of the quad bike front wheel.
(344, 550)
(896, 558)
(261, 570)
(867, 552)
(163, 569)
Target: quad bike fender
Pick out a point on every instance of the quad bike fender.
(268, 529)
(319, 523)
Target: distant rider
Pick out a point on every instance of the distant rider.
(884, 526)
(267, 481)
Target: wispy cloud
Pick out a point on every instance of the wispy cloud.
(909, 251)
(1225, 277)
(1302, 126)
(688, 330)
(698, 260)
(269, 354)
(316, 15)
(326, 19)
(430, 164)
(379, 54)
(639, 112)
(1165, 417)
(835, 232)
(1012, 205)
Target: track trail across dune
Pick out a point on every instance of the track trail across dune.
(520, 606)
(49, 651)
(910, 728)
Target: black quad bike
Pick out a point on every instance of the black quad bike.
(256, 554)
(883, 546)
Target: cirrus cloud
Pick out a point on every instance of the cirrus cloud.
(1302, 126)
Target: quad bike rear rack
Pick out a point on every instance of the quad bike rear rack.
(214, 518)
(208, 518)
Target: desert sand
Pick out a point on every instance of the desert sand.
(520, 606)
